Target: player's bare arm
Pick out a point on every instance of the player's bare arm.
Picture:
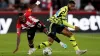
(18, 39)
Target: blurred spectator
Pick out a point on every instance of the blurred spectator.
(10, 6)
(3, 4)
(63, 2)
(11, 2)
(89, 7)
(37, 9)
(56, 4)
(49, 4)
(24, 5)
(25, 1)
(78, 4)
(21, 4)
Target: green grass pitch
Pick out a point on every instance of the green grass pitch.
(89, 41)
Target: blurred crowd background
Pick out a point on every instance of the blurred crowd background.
(17, 5)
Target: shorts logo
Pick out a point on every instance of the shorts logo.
(29, 36)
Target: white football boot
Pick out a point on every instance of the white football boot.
(31, 50)
(63, 45)
(80, 52)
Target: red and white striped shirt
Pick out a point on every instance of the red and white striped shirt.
(30, 21)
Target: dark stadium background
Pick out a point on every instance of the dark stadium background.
(87, 38)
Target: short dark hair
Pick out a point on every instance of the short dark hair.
(20, 14)
(71, 2)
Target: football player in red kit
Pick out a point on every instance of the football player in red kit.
(31, 24)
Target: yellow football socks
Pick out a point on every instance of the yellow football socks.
(73, 41)
(43, 45)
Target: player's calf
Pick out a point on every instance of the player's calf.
(66, 32)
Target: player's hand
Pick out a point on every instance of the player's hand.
(77, 28)
(38, 3)
(15, 50)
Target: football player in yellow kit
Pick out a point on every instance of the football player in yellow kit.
(60, 25)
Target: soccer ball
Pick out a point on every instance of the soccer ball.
(47, 51)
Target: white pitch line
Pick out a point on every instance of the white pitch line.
(52, 51)
(91, 37)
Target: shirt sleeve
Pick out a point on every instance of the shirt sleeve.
(67, 24)
(61, 13)
(59, 16)
(18, 28)
(28, 13)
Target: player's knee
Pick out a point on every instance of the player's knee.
(45, 31)
(50, 40)
(70, 34)
(50, 44)
(51, 35)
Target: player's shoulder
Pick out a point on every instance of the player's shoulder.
(29, 10)
(64, 7)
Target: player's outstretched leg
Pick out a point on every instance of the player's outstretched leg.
(30, 38)
(66, 32)
(53, 37)
(40, 46)
(75, 46)
(31, 45)
(43, 45)
(49, 43)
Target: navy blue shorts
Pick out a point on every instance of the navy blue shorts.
(31, 32)
(55, 28)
